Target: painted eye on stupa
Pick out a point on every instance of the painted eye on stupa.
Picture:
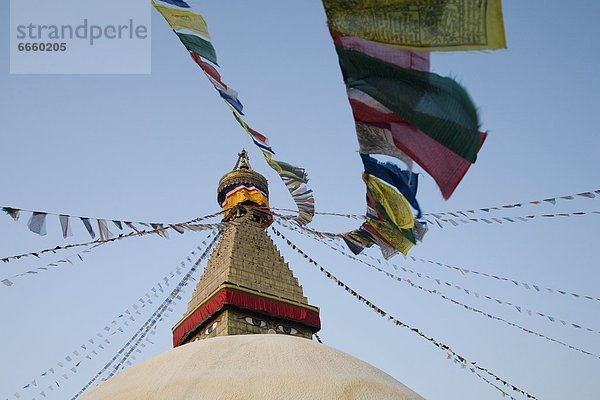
(287, 330)
(256, 322)
(210, 329)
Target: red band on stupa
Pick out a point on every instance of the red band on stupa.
(249, 301)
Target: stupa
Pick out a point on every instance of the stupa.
(247, 330)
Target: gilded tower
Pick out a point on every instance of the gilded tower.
(247, 287)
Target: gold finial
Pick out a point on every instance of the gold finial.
(242, 174)
(243, 161)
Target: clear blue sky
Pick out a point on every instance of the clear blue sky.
(153, 147)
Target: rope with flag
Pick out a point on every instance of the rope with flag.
(204, 55)
(457, 358)
(37, 223)
(592, 194)
(476, 310)
(123, 355)
(469, 292)
(511, 219)
(549, 200)
(92, 347)
(535, 287)
(192, 225)
(9, 281)
(442, 222)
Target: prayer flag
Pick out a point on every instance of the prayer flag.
(132, 226)
(436, 105)
(448, 25)
(12, 212)
(207, 68)
(406, 182)
(358, 240)
(177, 228)
(160, 230)
(182, 19)
(388, 238)
(88, 226)
(37, 223)
(227, 93)
(105, 233)
(64, 224)
(416, 60)
(178, 3)
(375, 140)
(259, 140)
(381, 133)
(199, 46)
(394, 205)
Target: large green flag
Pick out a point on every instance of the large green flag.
(436, 105)
(199, 46)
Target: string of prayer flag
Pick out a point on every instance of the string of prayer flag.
(9, 281)
(593, 194)
(535, 287)
(457, 358)
(550, 200)
(441, 222)
(92, 347)
(469, 292)
(169, 301)
(37, 223)
(159, 229)
(201, 49)
(123, 355)
(295, 178)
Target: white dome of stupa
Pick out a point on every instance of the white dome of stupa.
(253, 367)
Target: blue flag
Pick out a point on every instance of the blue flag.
(406, 182)
(178, 3)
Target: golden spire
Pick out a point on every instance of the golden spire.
(247, 287)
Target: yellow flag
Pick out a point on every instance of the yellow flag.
(391, 235)
(427, 25)
(395, 205)
(182, 19)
